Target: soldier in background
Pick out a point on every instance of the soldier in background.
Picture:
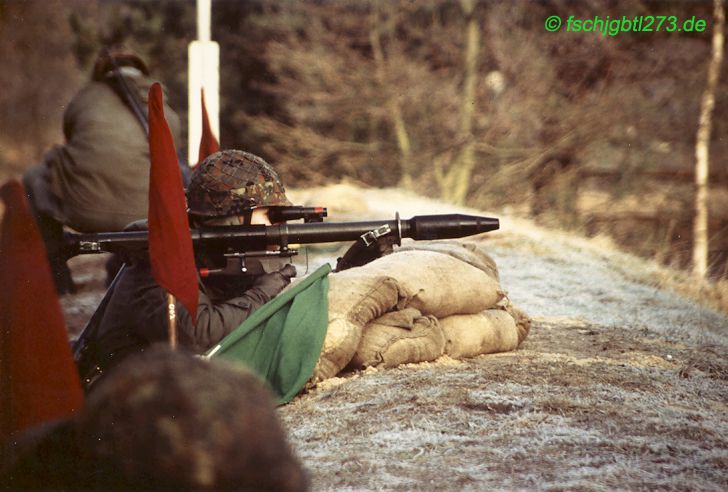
(98, 180)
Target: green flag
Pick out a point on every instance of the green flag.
(282, 341)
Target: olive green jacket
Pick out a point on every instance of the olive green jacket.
(136, 317)
(101, 175)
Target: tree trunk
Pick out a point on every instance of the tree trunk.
(455, 182)
(393, 107)
(700, 224)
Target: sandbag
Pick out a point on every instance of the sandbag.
(470, 252)
(399, 337)
(437, 284)
(487, 332)
(523, 321)
(355, 298)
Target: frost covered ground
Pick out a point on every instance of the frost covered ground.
(620, 385)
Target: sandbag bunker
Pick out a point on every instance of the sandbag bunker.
(417, 304)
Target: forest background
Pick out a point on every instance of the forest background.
(473, 102)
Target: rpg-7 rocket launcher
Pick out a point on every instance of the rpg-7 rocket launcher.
(241, 243)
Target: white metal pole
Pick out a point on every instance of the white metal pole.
(204, 10)
(203, 71)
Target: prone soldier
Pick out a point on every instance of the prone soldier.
(230, 187)
(233, 198)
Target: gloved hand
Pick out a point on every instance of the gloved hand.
(360, 254)
(272, 283)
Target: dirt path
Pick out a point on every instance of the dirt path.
(618, 386)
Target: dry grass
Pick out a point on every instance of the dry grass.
(524, 235)
(713, 294)
(709, 293)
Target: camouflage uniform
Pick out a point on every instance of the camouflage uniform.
(136, 315)
(163, 421)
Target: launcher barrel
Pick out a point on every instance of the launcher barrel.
(259, 237)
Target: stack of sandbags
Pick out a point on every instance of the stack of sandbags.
(356, 297)
(423, 301)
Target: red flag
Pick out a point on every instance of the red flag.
(208, 142)
(38, 378)
(170, 243)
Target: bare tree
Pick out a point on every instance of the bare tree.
(393, 104)
(454, 182)
(355, 93)
(411, 95)
(700, 223)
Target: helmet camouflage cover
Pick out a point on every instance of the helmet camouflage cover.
(233, 182)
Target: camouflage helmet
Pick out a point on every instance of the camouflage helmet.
(233, 182)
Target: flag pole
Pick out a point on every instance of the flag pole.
(171, 321)
(171, 252)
